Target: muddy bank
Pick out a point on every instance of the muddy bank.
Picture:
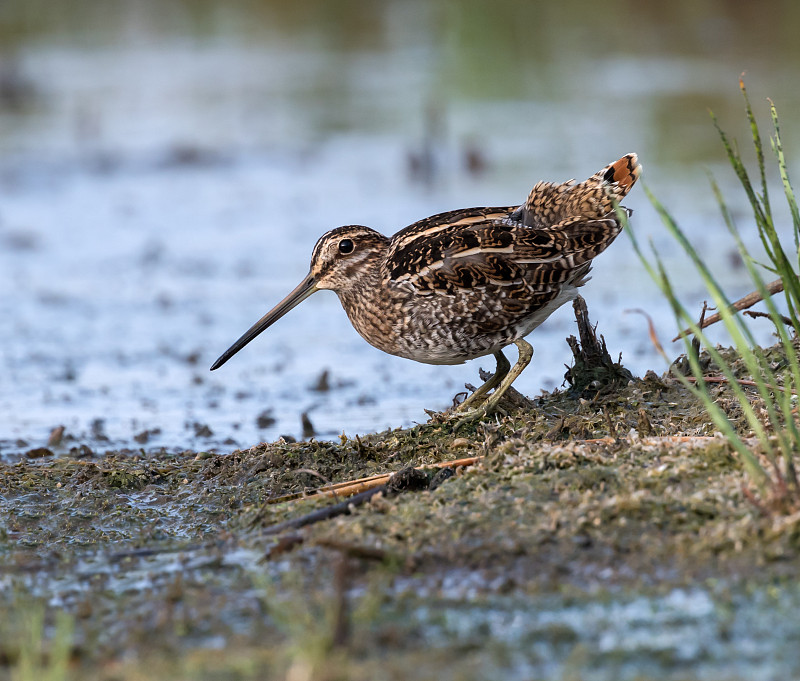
(579, 501)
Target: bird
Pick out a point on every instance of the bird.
(467, 283)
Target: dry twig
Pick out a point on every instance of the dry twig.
(753, 314)
(740, 381)
(742, 304)
(349, 487)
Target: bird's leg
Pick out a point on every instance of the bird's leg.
(490, 404)
(525, 357)
(479, 396)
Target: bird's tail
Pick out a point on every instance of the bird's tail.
(549, 204)
(620, 175)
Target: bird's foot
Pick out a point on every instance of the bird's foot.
(490, 404)
(469, 417)
(457, 416)
(460, 417)
(486, 399)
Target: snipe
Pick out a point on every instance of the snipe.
(467, 283)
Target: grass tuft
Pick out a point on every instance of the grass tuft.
(768, 451)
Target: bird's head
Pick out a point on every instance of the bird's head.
(341, 259)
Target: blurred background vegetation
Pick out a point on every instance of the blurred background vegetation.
(267, 69)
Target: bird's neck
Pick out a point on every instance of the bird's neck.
(369, 309)
(363, 287)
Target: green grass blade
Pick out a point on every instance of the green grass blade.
(750, 263)
(777, 148)
(701, 392)
(718, 416)
(772, 418)
(753, 366)
(758, 147)
(741, 172)
(741, 335)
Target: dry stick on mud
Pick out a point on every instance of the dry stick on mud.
(754, 314)
(742, 304)
(406, 480)
(703, 322)
(323, 513)
(349, 487)
(740, 381)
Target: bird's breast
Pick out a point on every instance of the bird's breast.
(432, 328)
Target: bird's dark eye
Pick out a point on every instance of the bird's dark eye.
(346, 246)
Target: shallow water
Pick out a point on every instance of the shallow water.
(714, 631)
(164, 176)
(686, 633)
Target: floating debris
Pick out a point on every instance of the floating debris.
(56, 437)
(308, 427)
(265, 419)
(322, 384)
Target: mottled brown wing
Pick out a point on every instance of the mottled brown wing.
(519, 259)
(516, 270)
(427, 228)
(422, 245)
(496, 253)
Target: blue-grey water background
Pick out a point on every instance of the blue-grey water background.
(166, 168)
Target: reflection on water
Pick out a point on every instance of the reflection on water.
(164, 173)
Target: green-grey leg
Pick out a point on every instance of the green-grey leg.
(490, 404)
(525, 357)
(479, 396)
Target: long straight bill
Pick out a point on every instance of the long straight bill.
(303, 291)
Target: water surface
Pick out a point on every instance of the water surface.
(164, 174)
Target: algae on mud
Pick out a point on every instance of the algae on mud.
(159, 558)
